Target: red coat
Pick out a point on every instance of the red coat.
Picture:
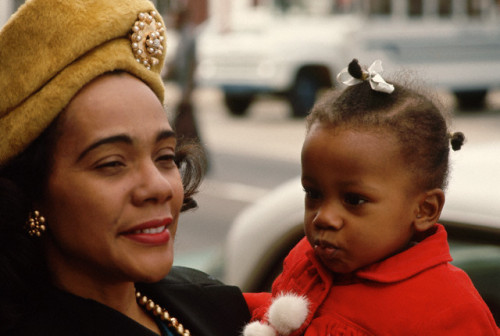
(416, 292)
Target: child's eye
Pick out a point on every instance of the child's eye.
(312, 194)
(354, 199)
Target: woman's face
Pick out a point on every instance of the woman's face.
(114, 192)
(361, 203)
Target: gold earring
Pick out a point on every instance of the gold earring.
(35, 224)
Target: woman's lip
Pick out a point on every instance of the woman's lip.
(159, 238)
(149, 225)
(151, 233)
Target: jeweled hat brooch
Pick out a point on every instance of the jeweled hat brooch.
(147, 36)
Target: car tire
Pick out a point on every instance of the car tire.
(237, 104)
(471, 100)
(303, 94)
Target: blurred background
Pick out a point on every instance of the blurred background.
(259, 65)
(242, 74)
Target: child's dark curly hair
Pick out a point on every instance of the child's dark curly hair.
(418, 125)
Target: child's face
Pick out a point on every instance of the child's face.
(360, 202)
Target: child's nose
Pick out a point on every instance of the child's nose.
(328, 217)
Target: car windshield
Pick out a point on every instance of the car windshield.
(470, 9)
(318, 7)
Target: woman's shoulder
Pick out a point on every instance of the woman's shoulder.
(203, 304)
(67, 314)
(186, 275)
(187, 283)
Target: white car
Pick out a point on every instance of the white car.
(262, 235)
(289, 51)
(295, 48)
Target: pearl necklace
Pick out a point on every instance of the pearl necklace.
(163, 314)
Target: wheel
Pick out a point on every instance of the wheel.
(303, 94)
(237, 103)
(471, 100)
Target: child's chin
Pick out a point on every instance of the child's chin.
(337, 267)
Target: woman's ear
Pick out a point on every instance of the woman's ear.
(429, 209)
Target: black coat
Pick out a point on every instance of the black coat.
(202, 304)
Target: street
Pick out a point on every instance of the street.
(251, 155)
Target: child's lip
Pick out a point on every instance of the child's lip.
(325, 244)
(325, 249)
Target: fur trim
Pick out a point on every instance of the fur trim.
(287, 312)
(49, 49)
(258, 329)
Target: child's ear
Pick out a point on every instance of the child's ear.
(429, 209)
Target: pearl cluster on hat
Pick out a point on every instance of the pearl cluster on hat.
(63, 49)
(147, 36)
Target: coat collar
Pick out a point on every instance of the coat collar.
(430, 250)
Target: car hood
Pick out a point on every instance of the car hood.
(473, 193)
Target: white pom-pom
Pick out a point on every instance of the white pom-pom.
(288, 312)
(258, 329)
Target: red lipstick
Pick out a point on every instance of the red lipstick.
(151, 233)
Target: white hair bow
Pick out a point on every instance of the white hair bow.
(377, 83)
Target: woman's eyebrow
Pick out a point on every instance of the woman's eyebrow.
(112, 139)
(165, 135)
(123, 138)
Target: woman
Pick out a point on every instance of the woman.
(90, 180)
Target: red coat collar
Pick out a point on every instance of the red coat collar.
(431, 250)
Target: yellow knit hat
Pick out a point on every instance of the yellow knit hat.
(49, 49)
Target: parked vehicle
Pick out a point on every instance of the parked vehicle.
(289, 51)
(453, 45)
(263, 234)
(295, 48)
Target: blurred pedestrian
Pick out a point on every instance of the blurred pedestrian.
(188, 15)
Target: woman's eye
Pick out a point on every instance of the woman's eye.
(110, 164)
(354, 199)
(166, 160)
(110, 167)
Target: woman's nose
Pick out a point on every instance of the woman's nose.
(152, 185)
(328, 217)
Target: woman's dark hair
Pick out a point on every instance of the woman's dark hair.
(418, 125)
(24, 277)
(192, 162)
